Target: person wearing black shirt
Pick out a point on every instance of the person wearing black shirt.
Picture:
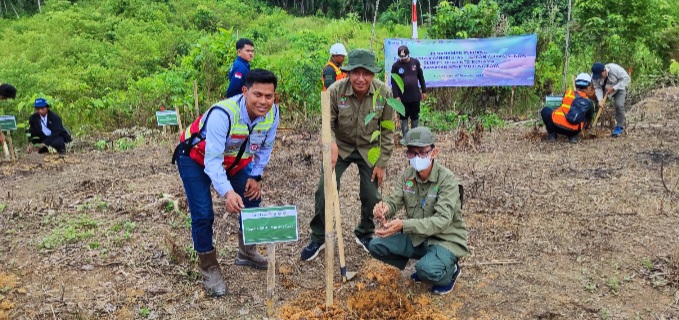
(46, 128)
(410, 70)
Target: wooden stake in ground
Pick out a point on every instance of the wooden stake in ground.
(8, 136)
(601, 109)
(511, 102)
(4, 145)
(271, 279)
(179, 120)
(326, 139)
(195, 98)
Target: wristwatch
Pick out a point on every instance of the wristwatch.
(256, 178)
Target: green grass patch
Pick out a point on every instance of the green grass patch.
(70, 230)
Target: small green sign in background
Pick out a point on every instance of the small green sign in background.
(8, 123)
(553, 102)
(270, 224)
(167, 118)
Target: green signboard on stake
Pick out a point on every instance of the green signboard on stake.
(553, 102)
(8, 123)
(270, 224)
(167, 118)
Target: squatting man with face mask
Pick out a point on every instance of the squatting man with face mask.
(432, 231)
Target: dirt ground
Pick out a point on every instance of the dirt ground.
(556, 231)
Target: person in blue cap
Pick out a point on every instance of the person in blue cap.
(47, 130)
(613, 79)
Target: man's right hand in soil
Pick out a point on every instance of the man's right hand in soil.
(233, 202)
(380, 211)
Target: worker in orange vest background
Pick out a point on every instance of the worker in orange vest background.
(574, 114)
(331, 71)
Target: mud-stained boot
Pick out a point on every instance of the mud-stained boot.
(212, 276)
(249, 256)
(404, 130)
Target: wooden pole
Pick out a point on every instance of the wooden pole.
(511, 103)
(271, 279)
(4, 146)
(372, 33)
(11, 145)
(568, 40)
(179, 120)
(328, 175)
(195, 98)
(5, 149)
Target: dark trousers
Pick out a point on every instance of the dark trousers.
(368, 194)
(197, 187)
(56, 142)
(412, 111)
(436, 264)
(546, 114)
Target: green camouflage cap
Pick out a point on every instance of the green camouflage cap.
(419, 137)
(361, 58)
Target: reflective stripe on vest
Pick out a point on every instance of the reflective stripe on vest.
(559, 115)
(238, 133)
(339, 74)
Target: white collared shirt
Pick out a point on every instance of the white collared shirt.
(43, 124)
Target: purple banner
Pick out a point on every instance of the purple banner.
(503, 61)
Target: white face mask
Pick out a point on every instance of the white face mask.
(420, 164)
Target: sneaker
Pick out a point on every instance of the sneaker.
(617, 131)
(574, 139)
(551, 137)
(364, 242)
(415, 277)
(311, 250)
(441, 290)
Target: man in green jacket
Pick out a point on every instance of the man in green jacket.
(433, 231)
(351, 100)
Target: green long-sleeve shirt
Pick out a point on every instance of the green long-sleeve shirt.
(433, 209)
(347, 120)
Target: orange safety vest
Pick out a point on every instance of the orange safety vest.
(239, 134)
(339, 74)
(559, 115)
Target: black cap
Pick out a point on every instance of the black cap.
(403, 51)
(597, 69)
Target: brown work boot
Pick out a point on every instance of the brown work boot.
(249, 256)
(212, 276)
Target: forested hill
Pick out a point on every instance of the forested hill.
(110, 63)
